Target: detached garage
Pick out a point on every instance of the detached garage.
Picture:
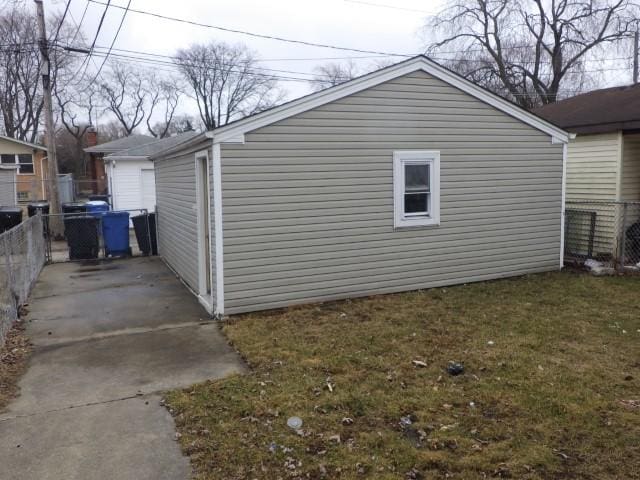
(406, 178)
(131, 176)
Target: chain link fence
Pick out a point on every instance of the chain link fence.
(22, 256)
(605, 232)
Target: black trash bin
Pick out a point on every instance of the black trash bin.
(9, 218)
(146, 233)
(74, 207)
(41, 206)
(82, 237)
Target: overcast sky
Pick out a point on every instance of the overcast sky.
(393, 26)
(354, 24)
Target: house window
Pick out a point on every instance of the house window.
(416, 188)
(24, 161)
(23, 196)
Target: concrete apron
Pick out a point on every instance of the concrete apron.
(108, 337)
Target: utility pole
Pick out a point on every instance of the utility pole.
(635, 55)
(52, 159)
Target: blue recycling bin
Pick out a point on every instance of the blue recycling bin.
(97, 207)
(115, 232)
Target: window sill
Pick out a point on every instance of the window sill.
(422, 223)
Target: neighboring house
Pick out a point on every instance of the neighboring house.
(603, 160)
(130, 173)
(8, 191)
(409, 177)
(31, 162)
(97, 173)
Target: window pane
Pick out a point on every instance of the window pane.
(28, 168)
(415, 202)
(416, 177)
(8, 158)
(25, 158)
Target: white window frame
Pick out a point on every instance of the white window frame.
(16, 157)
(412, 157)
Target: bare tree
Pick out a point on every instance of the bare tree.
(226, 81)
(332, 74)
(21, 101)
(526, 50)
(180, 124)
(124, 93)
(164, 97)
(75, 108)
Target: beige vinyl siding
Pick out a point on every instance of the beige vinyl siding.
(308, 201)
(630, 188)
(592, 167)
(7, 186)
(593, 170)
(177, 213)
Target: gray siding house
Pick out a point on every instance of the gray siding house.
(406, 178)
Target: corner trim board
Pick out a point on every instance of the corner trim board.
(217, 221)
(562, 202)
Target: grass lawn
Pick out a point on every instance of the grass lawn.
(551, 388)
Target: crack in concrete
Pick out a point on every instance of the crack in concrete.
(64, 341)
(81, 405)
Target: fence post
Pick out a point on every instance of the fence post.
(623, 246)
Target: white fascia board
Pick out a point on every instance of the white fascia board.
(109, 158)
(233, 132)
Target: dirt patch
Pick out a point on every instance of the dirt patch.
(14, 356)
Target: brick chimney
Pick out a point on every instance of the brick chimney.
(92, 137)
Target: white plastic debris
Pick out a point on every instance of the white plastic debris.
(491, 343)
(591, 263)
(294, 423)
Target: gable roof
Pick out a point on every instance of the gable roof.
(121, 144)
(234, 131)
(599, 111)
(152, 148)
(26, 144)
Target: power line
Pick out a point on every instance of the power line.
(79, 25)
(64, 15)
(115, 37)
(252, 34)
(85, 62)
(393, 7)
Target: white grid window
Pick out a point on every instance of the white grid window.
(23, 160)
(416, 188)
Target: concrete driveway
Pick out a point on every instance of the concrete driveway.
(109, 338)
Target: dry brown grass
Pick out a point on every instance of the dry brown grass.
(13, 362)
(552, 398)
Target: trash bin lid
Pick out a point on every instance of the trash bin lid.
(39, 203)
(73, 204)
(10, 209)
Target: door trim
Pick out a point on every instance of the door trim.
(206, 298)
(217, 220)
